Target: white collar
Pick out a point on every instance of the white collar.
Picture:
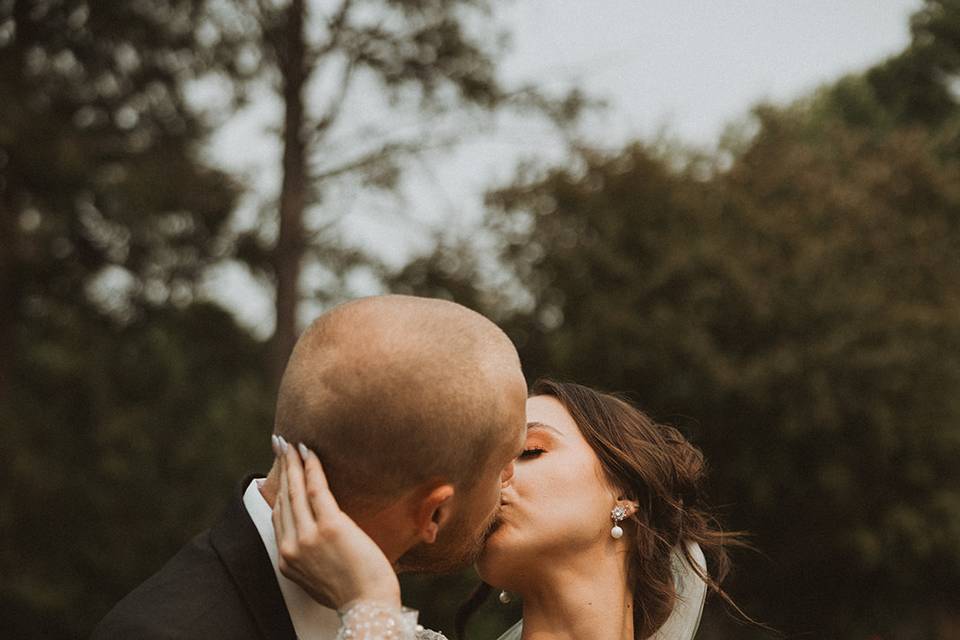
(310, 619)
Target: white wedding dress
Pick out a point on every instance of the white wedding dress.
(367, 621)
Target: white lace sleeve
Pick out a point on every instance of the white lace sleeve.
(365, 620)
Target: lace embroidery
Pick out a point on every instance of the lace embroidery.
(374, 621)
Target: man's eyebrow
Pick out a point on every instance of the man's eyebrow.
(546, 427)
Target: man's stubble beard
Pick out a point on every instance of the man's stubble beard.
(450, 554)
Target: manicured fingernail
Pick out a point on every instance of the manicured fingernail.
(303, 451)
(275, 445)
(283, 444)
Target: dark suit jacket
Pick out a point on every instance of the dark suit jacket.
(221, 585)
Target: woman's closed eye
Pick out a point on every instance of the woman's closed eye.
(532, 452)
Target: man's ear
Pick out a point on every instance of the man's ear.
(432, 511)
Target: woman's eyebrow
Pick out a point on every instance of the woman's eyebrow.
(546, 427)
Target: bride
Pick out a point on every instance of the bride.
(601, 532)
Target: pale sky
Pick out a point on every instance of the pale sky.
(688, 66)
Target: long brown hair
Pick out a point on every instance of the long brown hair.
(662, 471)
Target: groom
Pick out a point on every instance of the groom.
(416, 408)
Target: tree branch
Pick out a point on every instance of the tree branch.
(335, 107)
(335, 26)
(387, 150)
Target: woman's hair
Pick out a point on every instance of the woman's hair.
(654, 465)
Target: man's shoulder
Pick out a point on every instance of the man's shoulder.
(190, 596)
(222, 584)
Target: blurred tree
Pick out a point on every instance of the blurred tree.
(863, 236)
(102, 187)
(121, 442)
(377, 57)
(127, 407)
(919, 85)
(916, 87)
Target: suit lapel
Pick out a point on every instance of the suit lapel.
(240, 548)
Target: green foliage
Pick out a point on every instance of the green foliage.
(126, 414)
(100, 149)
(120, 443)
(916, 86)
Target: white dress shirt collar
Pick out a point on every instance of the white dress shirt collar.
(311, 620)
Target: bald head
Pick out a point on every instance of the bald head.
(393, 391)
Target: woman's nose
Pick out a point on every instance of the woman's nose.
(507, 475)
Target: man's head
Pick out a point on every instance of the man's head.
(416, 408)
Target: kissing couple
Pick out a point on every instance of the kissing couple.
(435, 457)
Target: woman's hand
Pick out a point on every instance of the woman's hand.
(321, 548)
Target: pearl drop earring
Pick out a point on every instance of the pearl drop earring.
(505, 597)
(618, 513)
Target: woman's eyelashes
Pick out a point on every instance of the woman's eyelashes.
(531, 452)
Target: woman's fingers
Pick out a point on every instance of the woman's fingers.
(287, 530)
(318, 491)
(321, 548)
(297, 492)
(277, 514)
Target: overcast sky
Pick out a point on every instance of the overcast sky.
(688, 66)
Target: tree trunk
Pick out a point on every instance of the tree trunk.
(288, 253)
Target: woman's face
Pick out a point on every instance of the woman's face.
(557, 504)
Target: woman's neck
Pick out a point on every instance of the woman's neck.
(588, 600)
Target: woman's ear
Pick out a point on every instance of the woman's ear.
(432, 511)
(630, 505)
